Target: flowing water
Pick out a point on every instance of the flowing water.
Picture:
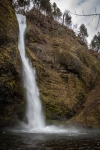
(34, 114)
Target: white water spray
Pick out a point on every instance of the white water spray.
(34, 114)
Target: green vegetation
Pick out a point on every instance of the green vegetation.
(11, 97)
(67, 18)
(95, 43)
(66, 71)
(83, 32)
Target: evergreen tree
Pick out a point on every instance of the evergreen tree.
(36, 3)
(68, 18)
(95, 43)
(43, 4)
(49, 9)
(54, 9)
(21, 5)
(58, 13)
(46, 6)
(83, 32)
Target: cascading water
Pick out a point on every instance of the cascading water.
(34, 114)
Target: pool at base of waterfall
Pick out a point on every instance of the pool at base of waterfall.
(85, 140)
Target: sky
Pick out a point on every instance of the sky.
(88, 7)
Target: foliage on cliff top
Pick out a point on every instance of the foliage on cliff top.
(8, 23)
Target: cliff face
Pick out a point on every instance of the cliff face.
(67, 74)
(10, 87)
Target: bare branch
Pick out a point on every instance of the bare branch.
(98, 23)
(89, 15)
(83, 12)
(95, 14)
(92, 18)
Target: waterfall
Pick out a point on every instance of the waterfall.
(34, 114)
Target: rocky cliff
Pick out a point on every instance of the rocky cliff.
(67, 73)
(11, 103)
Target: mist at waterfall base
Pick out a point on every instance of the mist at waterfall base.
(34, 114)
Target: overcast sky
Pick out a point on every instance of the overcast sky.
(88, 6)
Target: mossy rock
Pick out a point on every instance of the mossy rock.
(11, 97)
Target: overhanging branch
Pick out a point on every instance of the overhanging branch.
(88, 15)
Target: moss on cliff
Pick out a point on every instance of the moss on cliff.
(8, 23)
(11, 99)
(66, 71)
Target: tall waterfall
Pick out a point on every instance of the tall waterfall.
(34, 114)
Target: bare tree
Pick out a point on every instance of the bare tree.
(95, 14)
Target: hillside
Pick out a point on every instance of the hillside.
(67, 73)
